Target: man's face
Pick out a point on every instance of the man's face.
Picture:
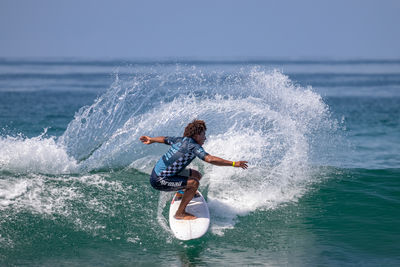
(200, 138)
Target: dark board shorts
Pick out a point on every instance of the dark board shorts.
(170, 183)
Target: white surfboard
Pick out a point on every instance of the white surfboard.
(190, 229)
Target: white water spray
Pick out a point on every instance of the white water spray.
(254, 115)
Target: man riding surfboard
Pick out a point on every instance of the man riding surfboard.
(170, 172)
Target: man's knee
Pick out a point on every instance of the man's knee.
(193, 183)
(196, 174)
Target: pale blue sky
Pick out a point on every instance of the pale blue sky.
(223, 29)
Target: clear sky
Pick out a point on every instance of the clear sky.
(203, 28)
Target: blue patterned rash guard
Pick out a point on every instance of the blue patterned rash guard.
(182, 152)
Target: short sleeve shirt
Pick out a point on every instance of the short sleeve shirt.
(181, 153)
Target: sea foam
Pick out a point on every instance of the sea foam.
(35, 155)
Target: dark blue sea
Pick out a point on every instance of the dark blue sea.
(322, 138)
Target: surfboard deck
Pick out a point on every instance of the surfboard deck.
(190, 229)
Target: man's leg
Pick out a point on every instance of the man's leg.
(191, 189)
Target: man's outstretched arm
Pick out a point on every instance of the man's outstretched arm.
(149, 140)
(222, 162)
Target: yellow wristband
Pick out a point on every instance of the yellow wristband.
(233, 164)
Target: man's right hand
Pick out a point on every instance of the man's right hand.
(146, 140)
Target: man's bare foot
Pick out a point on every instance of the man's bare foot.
(185, 216)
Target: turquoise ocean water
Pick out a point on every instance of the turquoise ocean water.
(322, 138)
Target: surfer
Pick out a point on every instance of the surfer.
(170, 172)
